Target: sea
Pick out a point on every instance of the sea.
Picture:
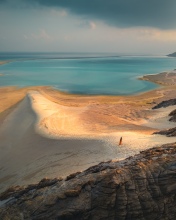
(83, 73)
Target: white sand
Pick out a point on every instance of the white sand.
(160, 118)
(58, 121)
(55, 120)
(40, 138)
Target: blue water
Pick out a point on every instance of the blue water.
(82, 73)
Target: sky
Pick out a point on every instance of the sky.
(113, 26)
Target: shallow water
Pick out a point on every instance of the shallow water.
(83, 74)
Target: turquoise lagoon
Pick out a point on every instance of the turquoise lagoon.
(95, 74)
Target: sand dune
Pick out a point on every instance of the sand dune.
(41, 138)
(56, 120)
(27, 156)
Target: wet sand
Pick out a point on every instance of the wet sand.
(47, 133)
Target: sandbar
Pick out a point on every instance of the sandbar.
(48, 133)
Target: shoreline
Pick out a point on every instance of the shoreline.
(47, 132)
(148, 77)
(146, 99)
(167, 78)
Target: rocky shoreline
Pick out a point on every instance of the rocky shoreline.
(140, 187)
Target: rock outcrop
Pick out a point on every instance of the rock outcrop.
(173, 116)
(165, 104)
(172, 131)
(168, 132)
(140, 187)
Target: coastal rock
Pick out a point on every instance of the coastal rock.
(172, 131)
(18, 191)
(140, 187)
(173, 116)
(165, 104)
(168, 132)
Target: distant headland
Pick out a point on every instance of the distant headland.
(172, 54)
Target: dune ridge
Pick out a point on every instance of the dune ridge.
(55, 120)
(53, 134)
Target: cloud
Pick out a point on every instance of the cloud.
(2, 37)
(25, 37)
(92, 25)
(88, 24)
(144, 34)
(60, 13)
(120, 13)
(159, 35)
(42, 35)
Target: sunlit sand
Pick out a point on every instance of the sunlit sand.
(47, 133)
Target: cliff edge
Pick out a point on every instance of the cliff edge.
(139, 187)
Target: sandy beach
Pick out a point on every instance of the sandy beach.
(47, 133)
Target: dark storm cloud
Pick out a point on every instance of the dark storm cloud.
(121, 13)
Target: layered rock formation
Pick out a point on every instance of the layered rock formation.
(140, 187)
